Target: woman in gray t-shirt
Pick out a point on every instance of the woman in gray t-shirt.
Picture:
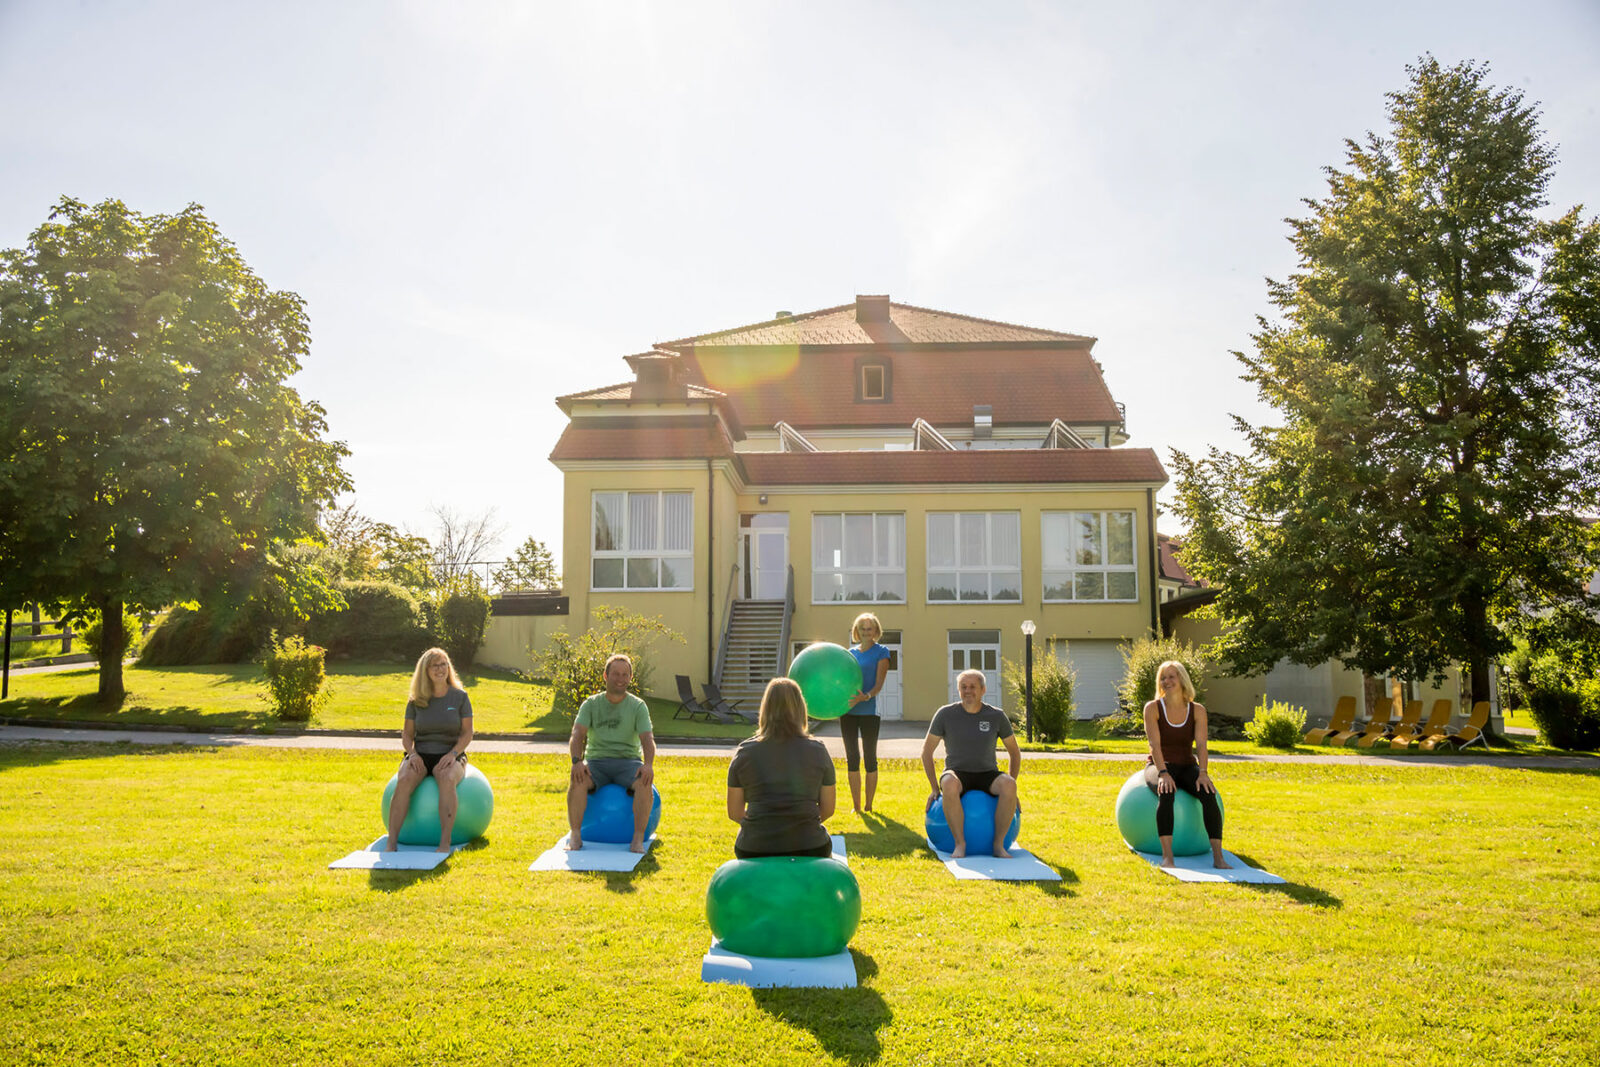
(435, 738)
(781, 782)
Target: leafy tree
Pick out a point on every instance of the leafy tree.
(149, 440)
(531, 567)
(360, 549)
(1436, 369)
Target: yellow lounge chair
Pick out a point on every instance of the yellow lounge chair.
(1407, 723)
(1471, 733)
(1344, 713)
(1377, 726)
(1438, 724)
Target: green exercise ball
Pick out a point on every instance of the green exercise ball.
(783, 907)
(1136, 819)
(474, 808)
(828, 676)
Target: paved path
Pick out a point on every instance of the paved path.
(903, 742)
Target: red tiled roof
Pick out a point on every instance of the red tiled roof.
(625, 391)
(1169, 550)
(907, 324)
(975, 467)
(640, 441)
(817, 389)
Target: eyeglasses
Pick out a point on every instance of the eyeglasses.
(439, 666)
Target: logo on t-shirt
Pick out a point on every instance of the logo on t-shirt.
(983, 727)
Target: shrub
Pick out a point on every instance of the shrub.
(1122, 724)
(1220, 727)
(575, 664)
(380, 620)
(295, 673)
(132, 633)
(1276, 725)
(1140, 661)
(460, 619)
(1568, 716)
(192, 634)
(1054, 681)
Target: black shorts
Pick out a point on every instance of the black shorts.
(430, 762)
(979, 780)
(820, 852)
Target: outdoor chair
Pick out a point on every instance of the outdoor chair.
(1344, 713)
(688, 707)
(1471, 732)
(714, 696)
(1377, 726)
(1438, 723)
(724, 710)
(1408, 722)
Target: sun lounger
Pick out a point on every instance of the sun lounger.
(1344, 713)
(1407, 723)
(688, 707)
(1377, 727)
(1471, 732)
(1438, 724)
(725, 710)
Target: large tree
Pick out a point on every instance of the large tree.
(149, 441)
(1436, 368)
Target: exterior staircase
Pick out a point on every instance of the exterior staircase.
(755, 631)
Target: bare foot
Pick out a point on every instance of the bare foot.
(1000, 853)
(960, 850)
(1221, 864)
(1167, 862)
(636, 846)
(856, 810)
(443, 848)
(574, 842)
(389, 847)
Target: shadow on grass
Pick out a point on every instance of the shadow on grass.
(885, 838)
(129, 714)
(844, 1021)
(1298, 892)
(19, 754)
(395, 881)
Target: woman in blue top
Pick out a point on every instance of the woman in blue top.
(859, 725)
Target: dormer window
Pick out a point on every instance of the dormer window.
(872, 380)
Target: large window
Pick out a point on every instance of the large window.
(974, 555)
(643, 541)
(858, 558)
(1089, 555)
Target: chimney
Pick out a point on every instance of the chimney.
(872, 308)
(783, 315)
(656, 377)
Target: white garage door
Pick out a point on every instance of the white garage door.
(1099, 667)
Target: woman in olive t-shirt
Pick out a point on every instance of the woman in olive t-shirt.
(435, 738)
(781, 782)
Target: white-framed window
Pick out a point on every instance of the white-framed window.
(1089, 555)
(642, 541)
(858, 557)
(974, 555)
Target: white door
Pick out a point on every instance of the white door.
(889, 706)
(1100, 668)
(976, 650)
(764, 555)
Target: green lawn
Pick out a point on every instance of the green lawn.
(173, 905)
(365, 696)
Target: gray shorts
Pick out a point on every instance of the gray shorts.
(614, 772)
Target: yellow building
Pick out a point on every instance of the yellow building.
(757, 488)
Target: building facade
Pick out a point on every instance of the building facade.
(757, 488)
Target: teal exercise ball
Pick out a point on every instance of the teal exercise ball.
(978, 829)
(608, 817)
(828, 676)
(1136, 820)
(783, 907)
(474, 808)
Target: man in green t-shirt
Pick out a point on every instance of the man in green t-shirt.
(612, 742)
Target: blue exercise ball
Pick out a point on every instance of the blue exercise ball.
(608, 818)
(978, 808)
(783, 907)
(474, 809)
(1136, 819)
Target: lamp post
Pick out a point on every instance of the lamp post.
(1027, 673)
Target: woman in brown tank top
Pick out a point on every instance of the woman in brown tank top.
(1175, 726)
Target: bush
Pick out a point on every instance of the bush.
(1567, 716)
(1276, 725)
(380, 620)
(1140, 661)
(192, 634)
(575, 665)
(1122, 724)
(460, 619)
(1220, 727)
(132, 634)
(1054, 681)
(295, 673)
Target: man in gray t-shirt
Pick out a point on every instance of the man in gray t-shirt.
(969, 730)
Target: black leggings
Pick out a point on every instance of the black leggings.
(867, 725)
(820, 852)
(1184, 776)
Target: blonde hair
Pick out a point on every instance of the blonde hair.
(422, 685)
(1183, 680)
(783, 711)
(855, 627)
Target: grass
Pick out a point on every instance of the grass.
(365, 696)
(173, 905)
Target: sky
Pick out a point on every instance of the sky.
(487, 205)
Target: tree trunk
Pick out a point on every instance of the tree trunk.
(112, 641)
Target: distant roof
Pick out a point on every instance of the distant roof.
(627, 391)
(905, 324)
(641, 440)
(1170, 548)
(978, 467)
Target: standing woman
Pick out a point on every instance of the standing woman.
(437, 732)
(862, 718)
(781, 782)
(1175, 726)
